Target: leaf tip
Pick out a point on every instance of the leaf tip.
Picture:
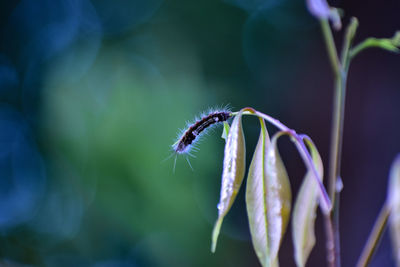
(215, 234)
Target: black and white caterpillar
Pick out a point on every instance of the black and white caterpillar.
(193, 131)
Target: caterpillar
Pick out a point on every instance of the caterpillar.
(194, 131)
(185, 142)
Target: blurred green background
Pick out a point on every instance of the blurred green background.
(93, 94)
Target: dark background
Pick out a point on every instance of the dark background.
(93, 93)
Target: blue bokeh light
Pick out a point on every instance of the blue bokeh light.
(22, 170)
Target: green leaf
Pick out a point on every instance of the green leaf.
(391, 44)
(394, 206)
(256, 200)
(232, 174)
(305, 209)
(268, 199)
(279, 196)
(225, 131)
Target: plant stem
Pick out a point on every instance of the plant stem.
(337, 134)
(340, 72)
(335, 158)
(374, 237)
(330, 241)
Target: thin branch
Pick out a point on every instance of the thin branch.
(374, 237)
(330, 46)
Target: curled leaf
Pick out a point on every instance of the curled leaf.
(268, 199)
(394, 206)
(389, 44)
(305, 209)
(232, 174)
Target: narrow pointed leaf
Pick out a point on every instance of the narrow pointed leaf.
(394, 206)
(232, 174)
(305, 209)
(256, 198)
(268, 199)
(225, 131)
(279, 196)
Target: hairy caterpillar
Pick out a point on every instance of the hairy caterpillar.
(194, 131)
